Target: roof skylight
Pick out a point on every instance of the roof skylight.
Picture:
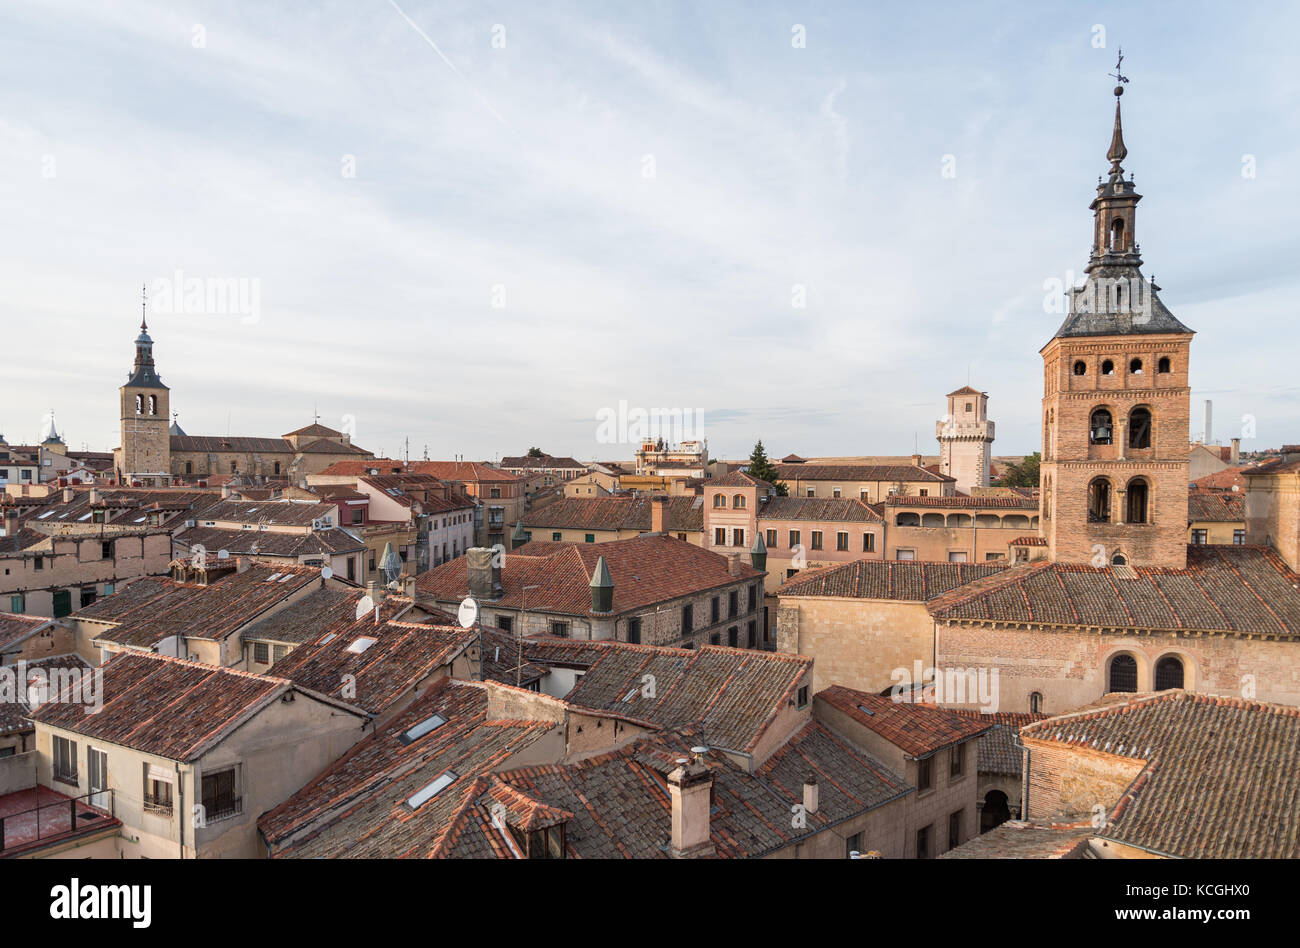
(432, 790)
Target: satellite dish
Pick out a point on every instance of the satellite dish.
(467, 615)
(223, 554)
(364, 607)
(326, 573)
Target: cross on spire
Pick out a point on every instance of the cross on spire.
(144, 305)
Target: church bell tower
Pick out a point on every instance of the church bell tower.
(1116, 401)
(145, 455)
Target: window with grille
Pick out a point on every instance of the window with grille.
(1123, 674)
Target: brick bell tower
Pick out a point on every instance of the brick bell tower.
(1116, 401)
(145, 455)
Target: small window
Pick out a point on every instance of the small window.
(688, 619)
(868, 543)
(1100, 427)
(737, 537)
(719, 536)
(802, 698)
(634, 631)
(733, 604)
(1036, 702)
(810, 492)
(1239, 537)
(1135, 367)
(733, 636)
(261, 653)
(957, 760)
(923, 843)
(590, 538)
(842, 541)
(1169, 673)
(924, 774)
(1108, 367)
(954, 830)
(794, 539)
(751, 634)
(557, 536)
(559, 629)
(738, 501)
(106, 550)
(1123, 674)
(816, 539)
(65, 760)
(1080, 367)
(852, 844)
(771, 539)
(1162, 367)
(719, 500)
(1139, 428)
(424, 727)
(835, 492)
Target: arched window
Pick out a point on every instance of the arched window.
(139, 404)
(1099, 501)
(1036, 702)
(738, 501)
(1139, 428)
(1100, 427)
(1137, 498)
(153, 404)
(1135, 367)
(1169, 673)
(1108, 367)
(1080, 368)
(1163, 366)
(1117, 234)
(1123, 674)
(719, 500)
(1119, 559)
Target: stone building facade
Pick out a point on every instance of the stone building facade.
(966, 439)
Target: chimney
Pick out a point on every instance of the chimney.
(602, 588)
(810, 794)
(484, 573)
(658, 514)
(1234, 455)
(690, 788)
(94, 495)
(68, 494)
(11, 521)
(733, 563)
(376, 591)
(225, 491)
(916, 460)
(242, 563)
(758, 552)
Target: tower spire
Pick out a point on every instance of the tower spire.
(144, 305)
(1117, 152)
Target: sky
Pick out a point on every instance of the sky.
(484, 226)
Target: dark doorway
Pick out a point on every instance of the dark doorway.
(995, 811)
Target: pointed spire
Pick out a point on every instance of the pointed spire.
(602, 588)
(144, 306)
(1117, 151)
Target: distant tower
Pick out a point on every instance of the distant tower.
(145, 454)
(966, 439)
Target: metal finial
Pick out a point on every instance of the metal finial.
(144, 305)
(1117, 75)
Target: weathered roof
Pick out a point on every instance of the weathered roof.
(647, 569)
(1228, 589)
(267, 543)
(14, 707)
(728, 695)
(1020, 840)
(902, 473)
(149, 609)
(295, 513)
(917, 728)
(1216, 506)
(681, 514)
(166, 706)
(738, 479)
(1219, 779)
(15, 628)
(910, 580)
(1098, 309)
(998, 751)
(830, 509)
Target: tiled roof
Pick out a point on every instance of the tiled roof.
(910, 580)
(965, 390)
(1028, 541)
(1020, 840)
(270, 512)
(315, 430)
(322, 612)
(728, 695)
(328, 446)
(1219, 782)
(859, 472)
(358, 807)
(1016, 503)
(1228, 589)
(466, 472)
(150, 609)
(121, 508)
(266, 543)
(738, 479)
(14, 708)
(546, 462)
(918, 728)
(1231, 479)
(166, 706)
(1285, 464)
(832, 509)
(683, 514)
(14, 628)
(217, 445)
(1216, 506)
(621, 806)
(648, 569)
(998, 751)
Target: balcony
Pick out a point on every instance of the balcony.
(37, 817)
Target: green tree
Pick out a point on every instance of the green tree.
(1024, 474)
(536, 453)
(759, 466)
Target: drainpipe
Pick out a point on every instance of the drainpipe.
(180, 799)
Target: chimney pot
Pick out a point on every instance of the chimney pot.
(733, 564)
(68, 494)
(810, 794)
(658, 514)
(690, 787)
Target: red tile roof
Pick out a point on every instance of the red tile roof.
(829, 509)
(919, 729)
(1216, 506)
(909, 580)
(1219, 779)
(1225, 589)
(648, 569)
(902, 473)
(682, 514)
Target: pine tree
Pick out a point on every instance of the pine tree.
(760, 467)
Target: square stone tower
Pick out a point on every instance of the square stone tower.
(966, 438)
(145, 454)
(1116, 403)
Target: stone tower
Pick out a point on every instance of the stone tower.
(966, 439)
(1116, 403)
(145, 455)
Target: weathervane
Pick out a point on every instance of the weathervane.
(144, 305)
(1117, 75)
